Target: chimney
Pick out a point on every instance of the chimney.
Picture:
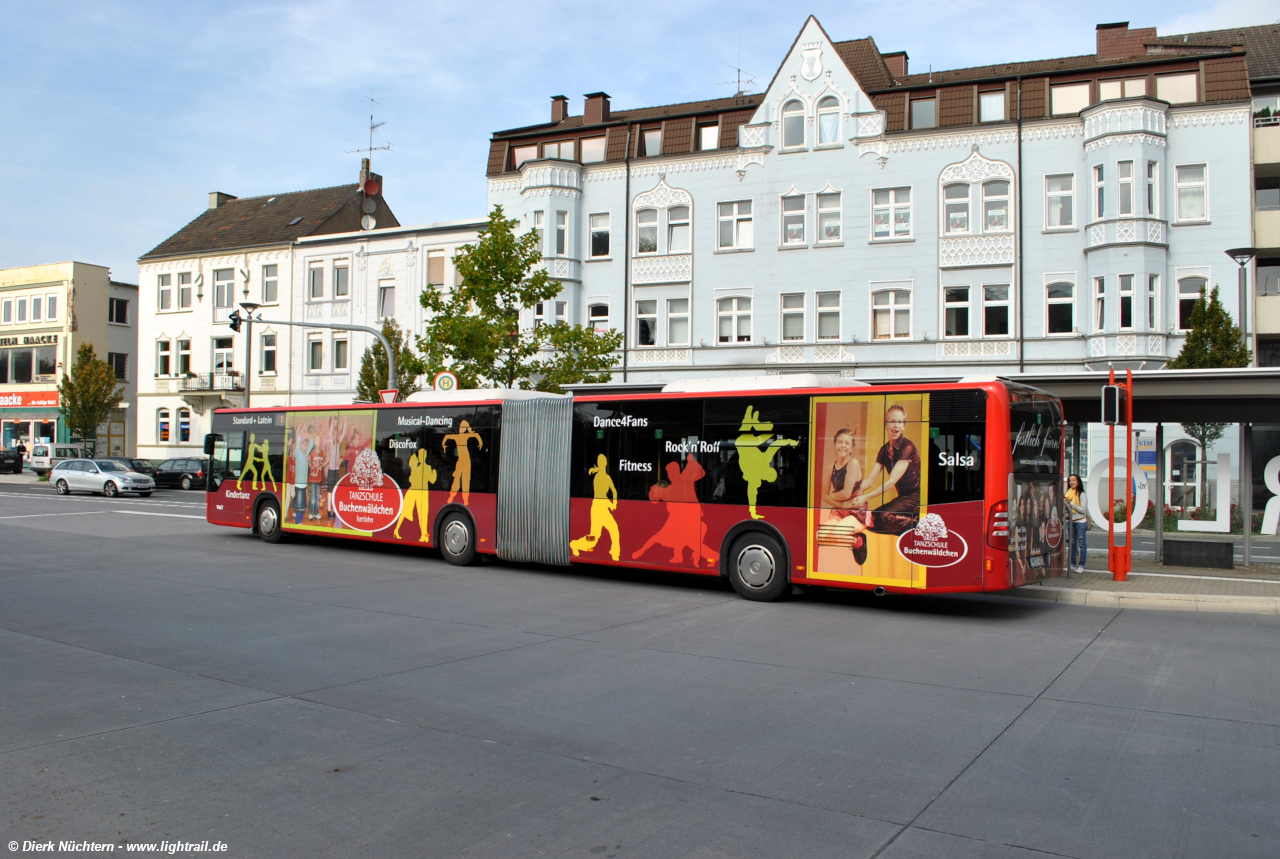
(559, 108)
(217, 198)
(897, 63)
(597, 108)
(1117, 41)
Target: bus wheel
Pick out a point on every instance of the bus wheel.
(457, 543)
(757, 567)
(269, 522)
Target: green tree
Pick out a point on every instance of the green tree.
(1214, 339)
(88, 394)
(373, 367)
(474, 330)
(1206, 434)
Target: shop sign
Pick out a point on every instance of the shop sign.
(29, 399)
(30, 340)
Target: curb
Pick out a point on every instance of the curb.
(1173, 602)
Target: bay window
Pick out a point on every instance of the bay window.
(1153, 286)
(957, 209)
(1099, 193)
(1126, 302)
(1124, 173)
(1099, 304)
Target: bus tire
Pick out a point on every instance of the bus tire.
(457, 539)
(267, 521)
(758, 567)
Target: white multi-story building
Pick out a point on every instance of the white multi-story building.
(46, 313)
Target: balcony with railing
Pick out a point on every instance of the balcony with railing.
(213, 383)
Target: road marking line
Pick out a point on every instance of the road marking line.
(1210, 578)
(148, 513)
(35, 515)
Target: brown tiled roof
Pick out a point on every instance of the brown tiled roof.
(256, 221)
(1261, 45)
(644, 114)
(1034, 67)
(864, 62)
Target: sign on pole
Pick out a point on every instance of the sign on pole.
(389, 395)
(445, 381)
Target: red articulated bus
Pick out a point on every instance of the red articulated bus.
(773, 481)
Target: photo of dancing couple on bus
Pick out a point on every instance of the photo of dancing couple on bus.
(868, 484)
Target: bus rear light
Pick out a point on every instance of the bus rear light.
(998, 526)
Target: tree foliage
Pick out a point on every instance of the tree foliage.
(1214, 339)
(88, 394)
(475, 329)
(373, 367)
(1206, 434)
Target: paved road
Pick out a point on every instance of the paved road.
(165, 679)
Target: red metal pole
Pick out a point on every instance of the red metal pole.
(1126, 557)
(1112, 563)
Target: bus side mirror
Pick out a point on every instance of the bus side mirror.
(209, 440)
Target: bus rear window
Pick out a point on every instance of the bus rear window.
(1035, 431)
(956, 467)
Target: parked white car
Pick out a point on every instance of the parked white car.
(106, 476)
(45, 456)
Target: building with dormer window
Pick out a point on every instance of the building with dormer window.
(858, 218)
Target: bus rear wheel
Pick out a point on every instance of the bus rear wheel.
(757, 567)
(268, 522)
(457, 540)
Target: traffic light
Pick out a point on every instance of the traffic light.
(1113, 405)
(234, 320)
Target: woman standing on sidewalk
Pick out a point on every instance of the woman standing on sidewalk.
(1077, 504)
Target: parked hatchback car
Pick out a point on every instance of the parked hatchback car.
(45, 456)
(142, 466)
(185, 473)
(106, 476)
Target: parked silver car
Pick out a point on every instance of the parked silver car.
(99, 475)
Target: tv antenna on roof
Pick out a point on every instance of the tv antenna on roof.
(742, 77)
(373, 126)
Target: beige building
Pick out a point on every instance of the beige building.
(46, 313)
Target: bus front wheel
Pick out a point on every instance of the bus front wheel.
(757, 567)
(457, 540)
(268, 522)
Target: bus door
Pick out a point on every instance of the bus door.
(1037, 529)
(227, 503)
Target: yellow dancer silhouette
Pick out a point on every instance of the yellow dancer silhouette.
(462, 471)
(754, 459)
(255, 455)
(601, 512)
(421, 476)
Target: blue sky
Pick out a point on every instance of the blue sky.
(119, 118)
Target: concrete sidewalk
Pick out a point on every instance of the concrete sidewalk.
(1253, 590)
(23, 479)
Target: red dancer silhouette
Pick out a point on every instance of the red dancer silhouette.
(684, 528)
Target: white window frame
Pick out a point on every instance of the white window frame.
(20, 310)
(1125, 292)
(831, 108)
(1099, 314)
(788, 215)
(965, 305)
(646, 309)
(1125, 188)
(647, 225)
(315, 282)
(1153, 189)
(787, 115)
(182, 355)
(948, 202)
(891, 209)
(735, 312)
(341, 345)
(539, 227)
(1195, 78)
(224, 290)
(1179, 277)
(562, 234)
(1006, 198)
(989, 302)
(832, 308)
(1179, 185)
(678, 309)
(603, 149)
(828, 215)
(1050, 196)
(790, 306)
(703, 136)
(385, 284)
(164, 292)
(6, 311)
(1153, 302)
(271, 275)
(164, 358)
(162, 418)
(654, 134)
(341, 265)
(263, 349)
(597, 322)
(736, 218)
(1074, 89)
(313, 341)
(890, 287)
(51, 307)
(985, 98)
(229, 365)
(37, 309)
(1050, 301)
(184, 289)
(674, 222)
(593, 229)
(1099, 174)
(911, 113)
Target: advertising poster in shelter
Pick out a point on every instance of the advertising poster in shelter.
(870, 490)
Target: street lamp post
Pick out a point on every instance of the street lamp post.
(249, 308)
(1242, 257)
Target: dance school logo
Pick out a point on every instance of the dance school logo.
(930, 544)
(1053, 530)
(365, 498)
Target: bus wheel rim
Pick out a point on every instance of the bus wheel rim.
(267, 520)
(756, 566)
(456, 537)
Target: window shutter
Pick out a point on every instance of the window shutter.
(435, 270)
(1225, 79)
(955, 105)
(729, 125)
(616, 143)
(1034, 96)
(677, 136)
(497, 157)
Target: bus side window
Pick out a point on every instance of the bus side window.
(777, 431)
(955, 462)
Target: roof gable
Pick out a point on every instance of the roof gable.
(812, 69)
